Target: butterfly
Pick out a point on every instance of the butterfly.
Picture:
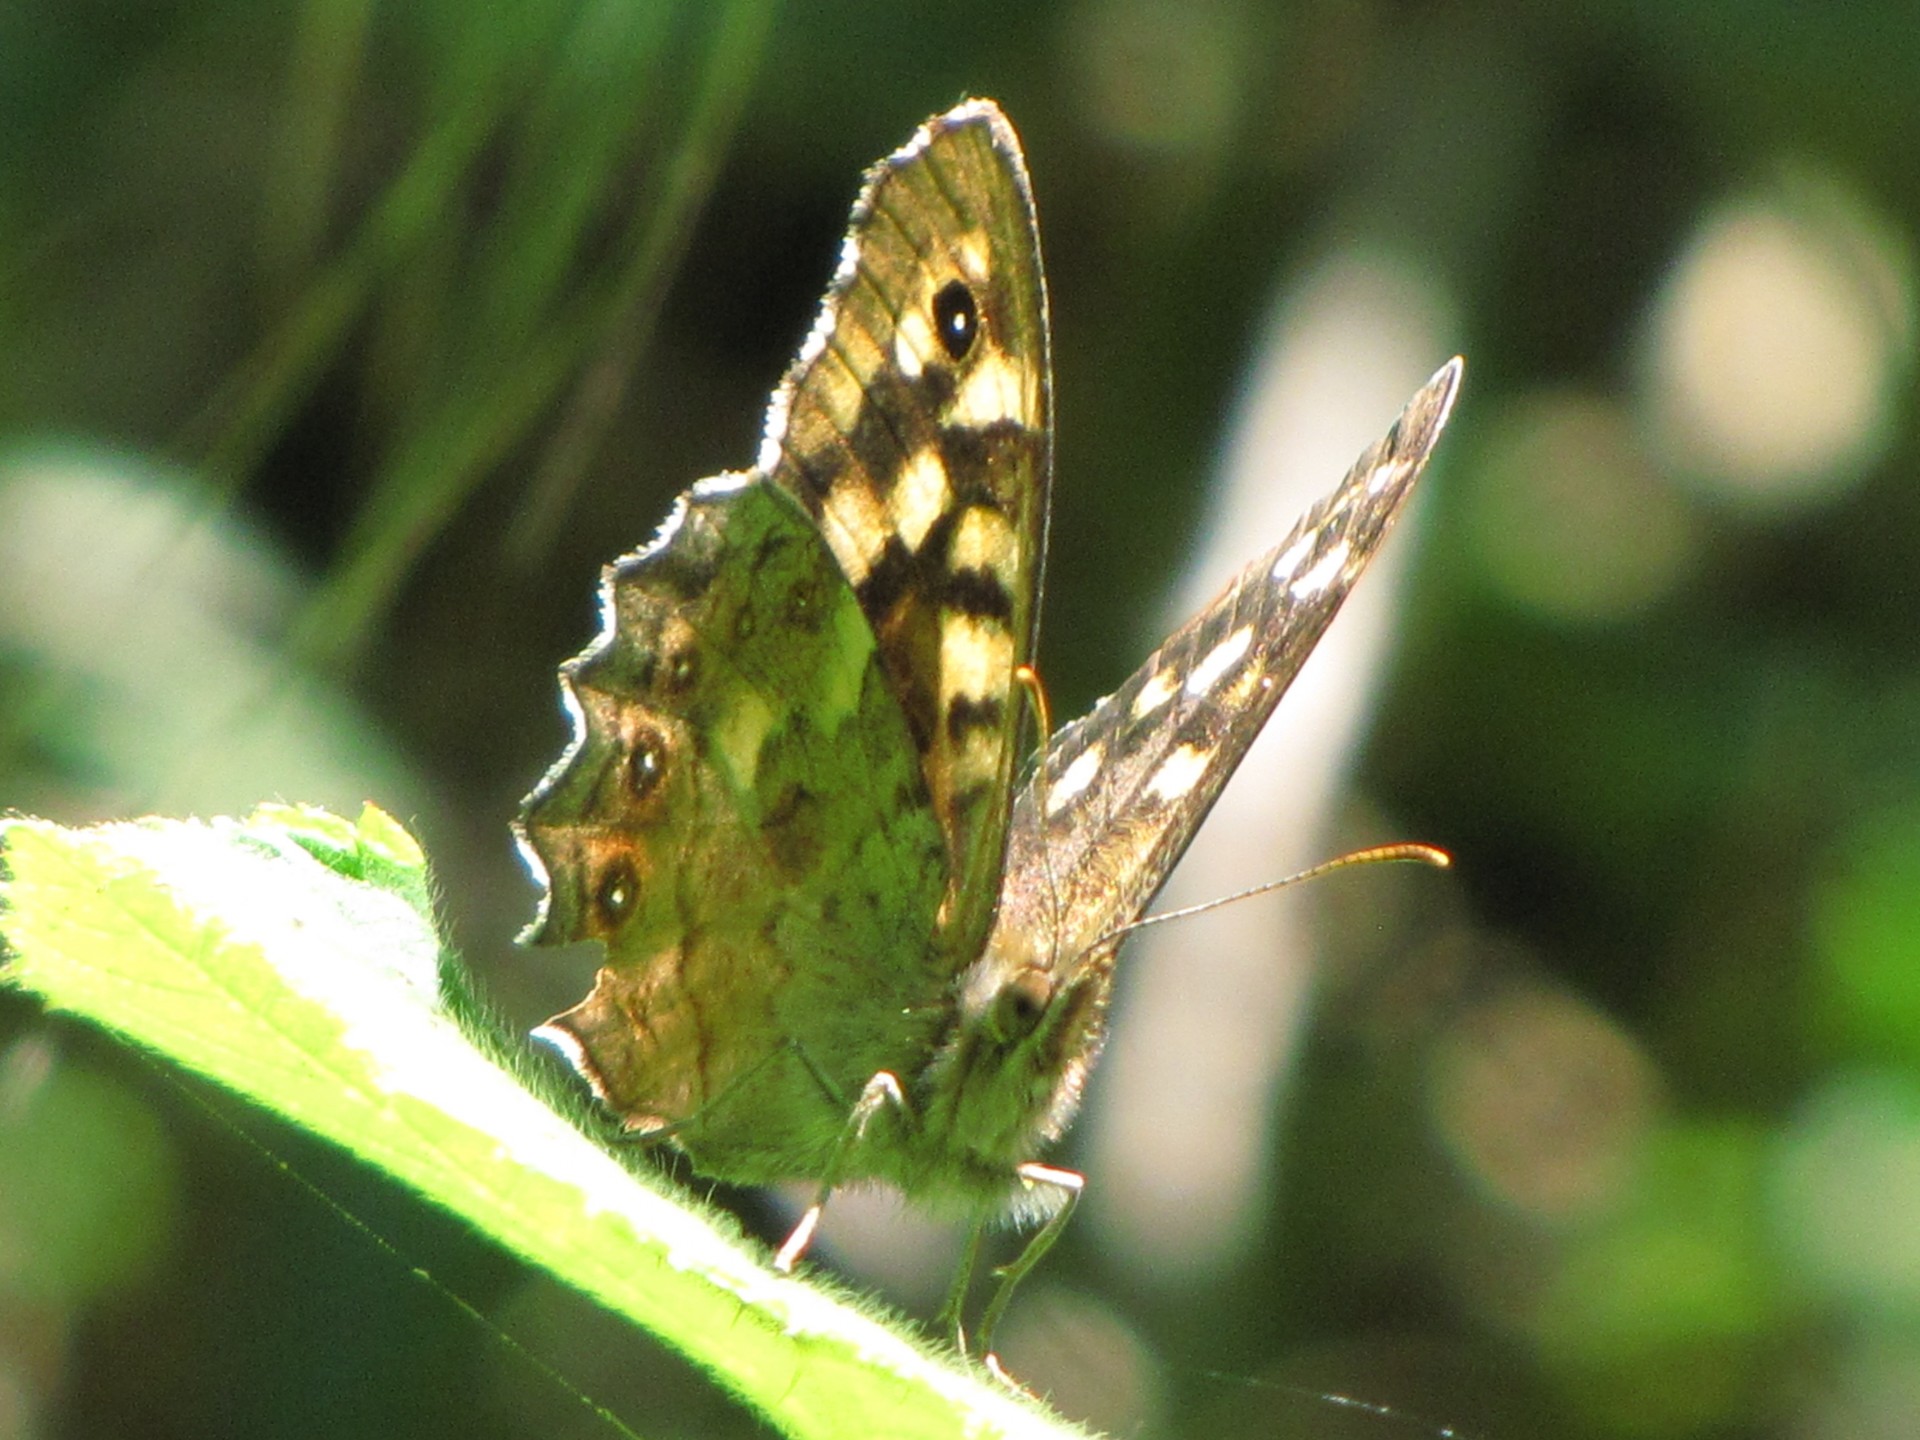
(849, 936)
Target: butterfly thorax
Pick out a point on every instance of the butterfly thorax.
(1006, 1079)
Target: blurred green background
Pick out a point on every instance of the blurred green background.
(344, 342)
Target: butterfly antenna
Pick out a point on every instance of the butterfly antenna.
(1373, 855)
(1029, 680)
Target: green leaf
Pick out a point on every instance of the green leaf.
(292, 958)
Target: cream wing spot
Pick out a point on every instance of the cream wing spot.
(975, 255)
(913, 341)
(995, 391)
(976, 659)
(835, 389)
(838, 683)
(1249, 680)
(984, 540)
(1290, 559)
(976, 664)
(1155, 693)
(1075, 778)
(905, 356)
(1386, 476)
(975, 759)
(856, 527)
(1324, 572)
(1179, 773)
(1219, 660)
(739, 736)
(920, 497)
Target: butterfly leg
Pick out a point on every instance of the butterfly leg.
(879, 1093)
(949, 1316)
(1069, 1184)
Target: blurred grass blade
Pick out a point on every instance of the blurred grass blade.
(329, 46)
(234, 431)
(656, 242)
(496, 387)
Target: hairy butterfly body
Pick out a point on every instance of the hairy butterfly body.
(843, 942)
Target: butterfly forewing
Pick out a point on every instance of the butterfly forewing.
(1100, 824)
(915, 428)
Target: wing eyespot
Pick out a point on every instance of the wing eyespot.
(616, 894)
(646, 764)
(956, 319)
(677, 675)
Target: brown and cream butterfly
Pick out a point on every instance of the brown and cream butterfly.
(849, 936)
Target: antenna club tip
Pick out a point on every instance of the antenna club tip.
(1416, 850)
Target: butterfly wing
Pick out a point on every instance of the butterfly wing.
(1099, 826)
(1101, 821)
(729, 822)
(785, 804)
(915, 428)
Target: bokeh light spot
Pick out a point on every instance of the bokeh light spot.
(88, 1189)
(1778, 349)
(1656, 1318)
(1865, 920)
(1085, 1359)
(1542, 1101)
(1847, 1192)
(1161, 75)
(1571, 518)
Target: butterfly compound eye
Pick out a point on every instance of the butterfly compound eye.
(956, 319)
(1021, 1003)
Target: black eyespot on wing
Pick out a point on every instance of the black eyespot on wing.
(616, 893)
(677, 675)
(646, 763)
(956, 319)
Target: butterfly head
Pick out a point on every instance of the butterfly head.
(1026, 1030)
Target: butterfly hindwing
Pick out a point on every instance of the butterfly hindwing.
(741, 821)
(915, 427)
